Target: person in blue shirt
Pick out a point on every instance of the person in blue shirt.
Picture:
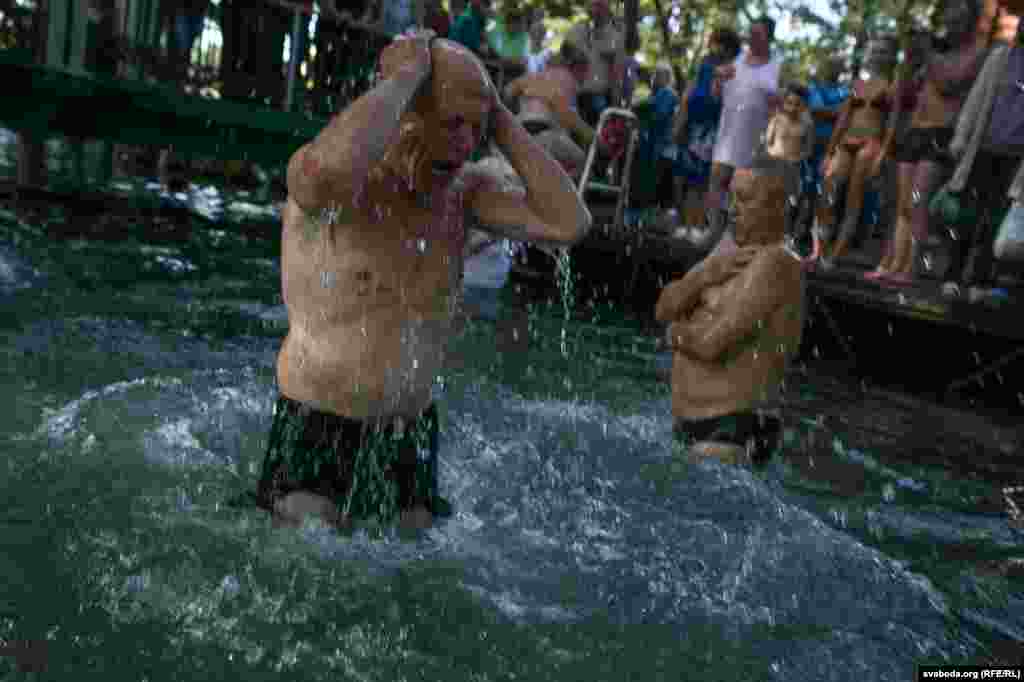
(697, 120)
(656, 137)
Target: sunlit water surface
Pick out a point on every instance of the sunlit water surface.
(584, 544)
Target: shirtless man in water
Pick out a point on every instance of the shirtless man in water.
(371, 258)
(736, 319)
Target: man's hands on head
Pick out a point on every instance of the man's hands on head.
(408, 51)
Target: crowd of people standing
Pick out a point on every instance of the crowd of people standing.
(891, 135)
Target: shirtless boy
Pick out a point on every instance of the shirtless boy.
(735, 321)
(371, 257)
(790, 138)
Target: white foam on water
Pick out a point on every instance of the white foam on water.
(65, 421)
(15, 272)
(533, 510)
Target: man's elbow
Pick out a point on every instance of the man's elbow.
(578, 228)
(304, 177)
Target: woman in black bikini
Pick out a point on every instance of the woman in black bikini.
(922, 152)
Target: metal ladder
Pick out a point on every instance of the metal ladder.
(624, 164)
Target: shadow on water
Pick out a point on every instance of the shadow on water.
(877, 539)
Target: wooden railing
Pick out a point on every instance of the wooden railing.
(333, 66)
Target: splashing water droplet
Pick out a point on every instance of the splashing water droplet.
(915, 197)
(330, 215)
(421, 245)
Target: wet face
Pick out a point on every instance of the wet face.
(461, 102)
(759, 202)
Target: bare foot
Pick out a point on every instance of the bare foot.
(725, 452)
(292, 510)
(417, 518)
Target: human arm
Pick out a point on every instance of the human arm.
(550, 210)
(335, 166)
(839, 131)
(769, 133)
(514, 90)
(768, 83)
(568, 116)
(678, 299)
(682, 114)
(723, 73)
(772, 280)
(807, 149)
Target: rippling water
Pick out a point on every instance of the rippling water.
(584, 545)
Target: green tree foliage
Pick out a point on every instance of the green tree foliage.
(676, 31)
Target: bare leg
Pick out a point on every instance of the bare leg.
(838, 171)
(925, 179)
(293, 508)
(862, 166)
(902, 237)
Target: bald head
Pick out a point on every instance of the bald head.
(761, 195)
(456, 70)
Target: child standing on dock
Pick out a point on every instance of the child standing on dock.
(790, 139)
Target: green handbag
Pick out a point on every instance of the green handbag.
(951, 208)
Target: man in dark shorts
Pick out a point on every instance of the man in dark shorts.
(736, 319)
(371, 259)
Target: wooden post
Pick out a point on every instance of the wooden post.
(295, 58)
(32, 152)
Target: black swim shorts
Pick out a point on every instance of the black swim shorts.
(536, 127)
(736, 429)
(924, 144)
(373, 470)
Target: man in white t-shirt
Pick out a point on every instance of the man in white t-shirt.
(749, 90)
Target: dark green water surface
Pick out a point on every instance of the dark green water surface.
(138, 375)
